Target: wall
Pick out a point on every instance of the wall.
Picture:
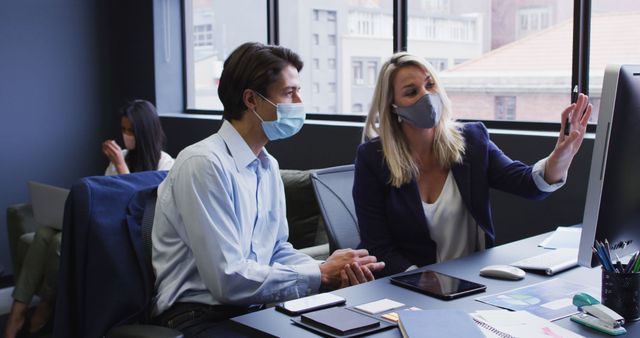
(320, 146)
(52, 101)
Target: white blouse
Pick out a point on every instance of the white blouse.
(451, 225)
(165, 163)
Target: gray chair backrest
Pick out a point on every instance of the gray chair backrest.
(333, 188)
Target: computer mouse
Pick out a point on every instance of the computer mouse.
(502, 272)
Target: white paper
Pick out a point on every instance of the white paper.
(379, 306)
(563, 237)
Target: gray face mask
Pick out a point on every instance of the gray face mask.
(425, 113)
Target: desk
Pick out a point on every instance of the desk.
(278, 324)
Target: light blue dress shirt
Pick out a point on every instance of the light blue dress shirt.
(220, 230)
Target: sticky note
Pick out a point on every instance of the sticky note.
(379, 306)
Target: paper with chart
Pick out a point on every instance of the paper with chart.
(550, 299)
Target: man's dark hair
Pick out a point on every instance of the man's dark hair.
(252, 66)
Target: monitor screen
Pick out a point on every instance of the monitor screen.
(612, 208)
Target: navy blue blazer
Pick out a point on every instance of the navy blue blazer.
(103, 280)
(392, 223)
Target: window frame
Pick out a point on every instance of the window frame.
(579, 78)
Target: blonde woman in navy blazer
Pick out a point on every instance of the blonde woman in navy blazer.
(422, 180)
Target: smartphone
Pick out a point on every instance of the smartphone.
(438, 285)
(311, 303)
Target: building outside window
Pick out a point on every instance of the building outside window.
(208, 42)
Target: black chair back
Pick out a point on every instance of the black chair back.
(333, 188)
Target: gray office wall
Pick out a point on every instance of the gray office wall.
(52, 105)
(320, 146)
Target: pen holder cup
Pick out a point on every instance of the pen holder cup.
(621, 293)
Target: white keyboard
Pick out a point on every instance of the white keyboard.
(550, 262)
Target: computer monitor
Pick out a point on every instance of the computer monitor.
(612, 208)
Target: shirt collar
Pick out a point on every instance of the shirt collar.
(239, 149)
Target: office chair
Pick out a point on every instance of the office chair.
(333, 188)
(106, 279)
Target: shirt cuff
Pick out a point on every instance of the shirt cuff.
(308, 278)
(538, 177)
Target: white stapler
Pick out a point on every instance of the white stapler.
(597, 316)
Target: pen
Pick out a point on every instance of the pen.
(595, 251)
(601, 255)
(574, 98)
(631, 263)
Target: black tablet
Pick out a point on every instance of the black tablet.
(438, 285)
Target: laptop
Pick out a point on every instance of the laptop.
(48, 202)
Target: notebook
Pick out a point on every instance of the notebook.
(550, 262)
(339, 321)
(438, 323)
(48, 202)
(521, 324)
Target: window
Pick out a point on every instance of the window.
(332, 39)
(372, 72)
(487, 66)
(438, 64)
(356, 108)
(459, 61)
(202, 35)
(614, 40)
(505, 107)
(472, 45)
(358, 78)
(332, 87)
(344, 30)
(532, 19)
(208, 43)
(331, 63)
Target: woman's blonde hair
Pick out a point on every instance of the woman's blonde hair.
(448, 143)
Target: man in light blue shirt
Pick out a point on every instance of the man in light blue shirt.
(220, 230)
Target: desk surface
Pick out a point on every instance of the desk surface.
(279, 324)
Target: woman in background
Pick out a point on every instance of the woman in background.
(143, 139)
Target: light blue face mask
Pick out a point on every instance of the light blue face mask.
(290, 119)
(425, 113)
